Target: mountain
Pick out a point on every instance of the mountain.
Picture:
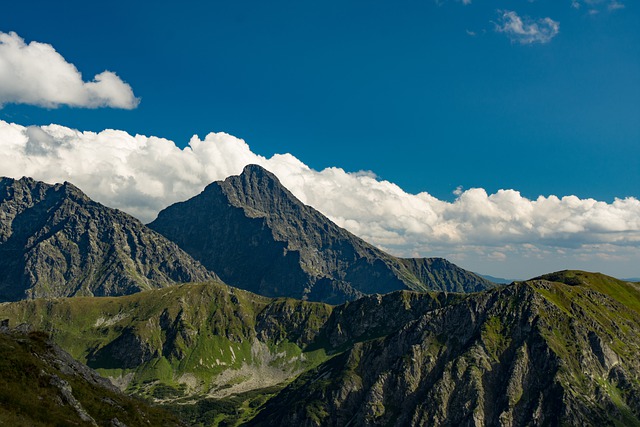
(55, 241)
(193, 339)
(210, 352)
(498, 280)
(258, 236)
(562, 349)
(206, 347)
(42, 385)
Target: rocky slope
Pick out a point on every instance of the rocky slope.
(563, 349)
(212, 352)
(55, 241)
(257, 236)
(42, 385)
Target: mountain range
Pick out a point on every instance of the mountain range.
(318, 327)
(560, 349)
(249, 230)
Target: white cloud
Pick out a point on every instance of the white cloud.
(594, 6)
(615, 5)
(141, 175)
(36, 74)
(526, 30)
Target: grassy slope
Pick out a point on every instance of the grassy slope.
(593, 303)
(200, 330)
(28, 397)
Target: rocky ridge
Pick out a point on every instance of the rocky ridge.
(558, 350)
(56, 242)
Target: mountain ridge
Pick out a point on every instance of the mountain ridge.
(56, 241)
(560, 348)
(538, 352)
(263, 239)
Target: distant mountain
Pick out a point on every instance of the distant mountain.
(498, 280)
(258, 236)
(55, 241)
(561, 349)
(42, 385)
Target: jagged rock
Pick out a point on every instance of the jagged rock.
(55, 242)
(258, 236)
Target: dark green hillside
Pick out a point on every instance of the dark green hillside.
(41, 385)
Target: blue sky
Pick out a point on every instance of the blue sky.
(428, 95)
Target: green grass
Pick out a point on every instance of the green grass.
(495, 337)
(196, 329)
(28, 397)
(624, 292)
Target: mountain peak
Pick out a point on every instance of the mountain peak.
(258, 236)
(257, 172)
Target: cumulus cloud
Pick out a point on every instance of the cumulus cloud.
(36, 74)
(526, 30)
(141, 175)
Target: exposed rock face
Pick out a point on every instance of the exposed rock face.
(257, 236)
(534, 353)
(42, 385)
(55, 241)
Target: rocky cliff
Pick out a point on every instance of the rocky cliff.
(55, 241)
(258, 236)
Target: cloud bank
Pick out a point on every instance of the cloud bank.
(141, 175)
(526, 30)
(36, 74)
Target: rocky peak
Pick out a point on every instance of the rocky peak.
(258, 236)
(56, 241)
